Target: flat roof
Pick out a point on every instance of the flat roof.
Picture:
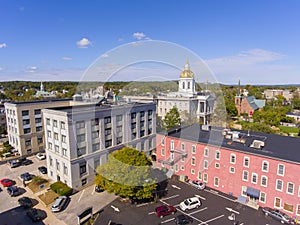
(40, 101)
(275, 146)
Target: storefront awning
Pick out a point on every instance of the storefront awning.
(252, 192)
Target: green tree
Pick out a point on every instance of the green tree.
(127, 173)
(172, 119)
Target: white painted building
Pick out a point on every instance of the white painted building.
(79, 138)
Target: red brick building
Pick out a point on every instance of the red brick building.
(259, 169)
(248, 104)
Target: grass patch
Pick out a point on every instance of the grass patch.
(61, 188)
(35, 184)
(48, 197)
(289, 130)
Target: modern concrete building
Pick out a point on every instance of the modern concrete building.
(24, 124)
(79, 138)
(258, 169)
(198, 105)
(272, 93)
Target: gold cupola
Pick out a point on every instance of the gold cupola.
(187, 73)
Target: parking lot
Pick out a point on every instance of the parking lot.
(216, 209)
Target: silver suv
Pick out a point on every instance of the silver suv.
(190, 203)
(276, 214)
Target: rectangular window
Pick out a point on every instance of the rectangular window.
(62, 125)
(182, 146)
(25, 122)
(150, 112)
(298, 210)
(182, 167)
(80, 124)
(218, 155)
(246, 161)
(176, 168)
(254, 178)
(65, 169)
(193, 161)
(25, 112)
(82, 168)
(50, 145)
(28, 142)
(38, 120)
(231, 169)
(37, 112)
(57, 165)
(119, 118)
(108, 143)
(172, 145)
(56, 136)
(133, 115)
(290, 188)
(277, 202)
(54, 123)
(192, 171)
(193, 149)
(262, 197)
(265, 166)
(119, 140)
(244, 191)
(80, 138)
(48, 121)
(206, 152)
(96, 163)
(264, 181)
(39, 128)
(63, 139)
(56, 148)
(95, 122)
(217, 165)
(232, 158)
(48, 133)
(288, 207)
(205, 177)
(95, 147)
(95, 134)
(64, 152)
(81, 151)
(27, 130)
(216, 181)
(199, 175)
(50, 161)
(163, 141)
(40, 139)
(107, 120)
(205, 164)
(280, 170)
(279, 185)
(245, 175)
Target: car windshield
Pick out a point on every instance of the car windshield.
(186, 202)
(57, 202)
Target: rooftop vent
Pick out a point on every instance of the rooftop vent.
(257, 144)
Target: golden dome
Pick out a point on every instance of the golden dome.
(187, 73)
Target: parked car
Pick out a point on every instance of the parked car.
(26, 176)
(197, 184)
(164, 210)
(26, 162)
(14, 163)
(59, 203)
(42, 169)
(25, 202)
(7, 182)
(13, 191)
(190, 203)
(276, 214)
(183, 219)
(35, 214)
(40, 156)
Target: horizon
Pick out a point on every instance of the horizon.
(256, 42)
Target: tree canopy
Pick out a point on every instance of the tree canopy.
(172, 119)
(127, 173)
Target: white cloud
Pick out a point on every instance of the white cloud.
(31, 69)
(104, 56)
(120, 39)
(139, 35)
(1, 68)
(3, 45)
(255, 66)
(66, 58)
(84, 43)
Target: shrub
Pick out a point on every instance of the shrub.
(61, 189)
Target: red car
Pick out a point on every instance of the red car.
(6, 182)
(164, 210)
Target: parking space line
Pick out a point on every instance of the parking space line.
(199, 196)
(194, 218)
(80, 196)
(198, 211)
(218, 217)
(142, 204)
(173, 196)
(93, 192)
(150, 213)
(166, 221)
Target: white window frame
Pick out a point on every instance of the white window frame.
(245, 171)
(205, 177)
(277, 185)
(252, 175)
(298, 207)
(218, 152)
(194, 150)
(246, 157)
(192, 171)
(217, 165)
(200, 177)
(282, 169)
(176, 167)
(261, 181)
(287, 188)
(182, 147)
(163, 141)
(218, 181)
(261, 193)
(231, 169)
(206, 152)
(275, 203)
(172, 145)
(182, 167)
(262, 166)
(231, 157)
(205, 164)
(193, 159)
(244, 191)
(163, 151)
(299, 191)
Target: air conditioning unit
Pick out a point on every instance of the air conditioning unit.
(257, 144)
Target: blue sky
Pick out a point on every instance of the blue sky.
(256, 41)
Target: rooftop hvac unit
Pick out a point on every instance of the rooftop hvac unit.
(257, 144)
